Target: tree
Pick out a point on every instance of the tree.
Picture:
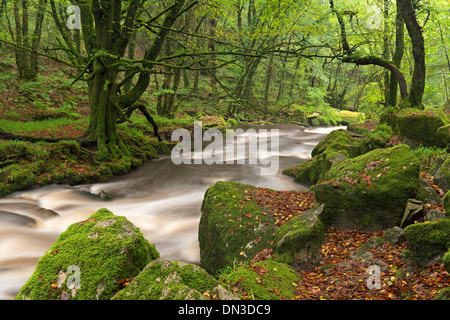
(27, 42)
(398, 55)
(351, 56)
(418, 49)
(107, 28)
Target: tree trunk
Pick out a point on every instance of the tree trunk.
(415, 33)
(268, 82)
(386, 54)
(26, 59)
(104, 111)
(398, 55)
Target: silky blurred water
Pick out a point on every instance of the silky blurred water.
(160, 198)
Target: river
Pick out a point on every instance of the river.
(160, 198)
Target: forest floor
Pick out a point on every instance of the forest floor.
(53, 108)
(342, 274)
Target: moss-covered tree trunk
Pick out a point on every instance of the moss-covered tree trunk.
(104, 110)
(398, 55)
(418, 49)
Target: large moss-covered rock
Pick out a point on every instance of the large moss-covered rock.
(377, 138)
(339, 140)
(172, 280)
(232, 229)
(265, 280)
(338, 145)
(299, 241)
(351, 117)
(443, 135)
(369, 192)
(420, 127)
(310, 171)
(89, 259)
(428, 241)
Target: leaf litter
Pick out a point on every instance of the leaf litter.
(341, 274)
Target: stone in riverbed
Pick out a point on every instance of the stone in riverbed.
(89, 259)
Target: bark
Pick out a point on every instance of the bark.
(25, 52)
(351, 57)
(398, 55)
(373, 60)
(269, 75)
(105, 103)
(418, 50)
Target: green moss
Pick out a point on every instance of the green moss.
(443, 294)
(350, 117)
(428, 240)
(106, 249)
(377, 138)
(169, 280)
(419, 127)
(443, 135)
(369, 192)
(310, 171)
(446, 203)
(231, 229)
(265, 280)
(338, 140)
(357, 129)
(446, 260)
(299, 241)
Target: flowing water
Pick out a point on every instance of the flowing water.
(160, 198)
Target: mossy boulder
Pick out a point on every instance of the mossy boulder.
(443, 134)
(172, 280)
(377, 138)
(420, 127)
(446, 203)
(299, 241)
(339, 140)
(99, 251)
(428, 241)
(338, 145)
(232, 229)
(441, 171)
(357, 129)
(265, 280)
(310, 171)
(369, 192)
(351, 117)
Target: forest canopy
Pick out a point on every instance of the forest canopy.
(262, 57)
